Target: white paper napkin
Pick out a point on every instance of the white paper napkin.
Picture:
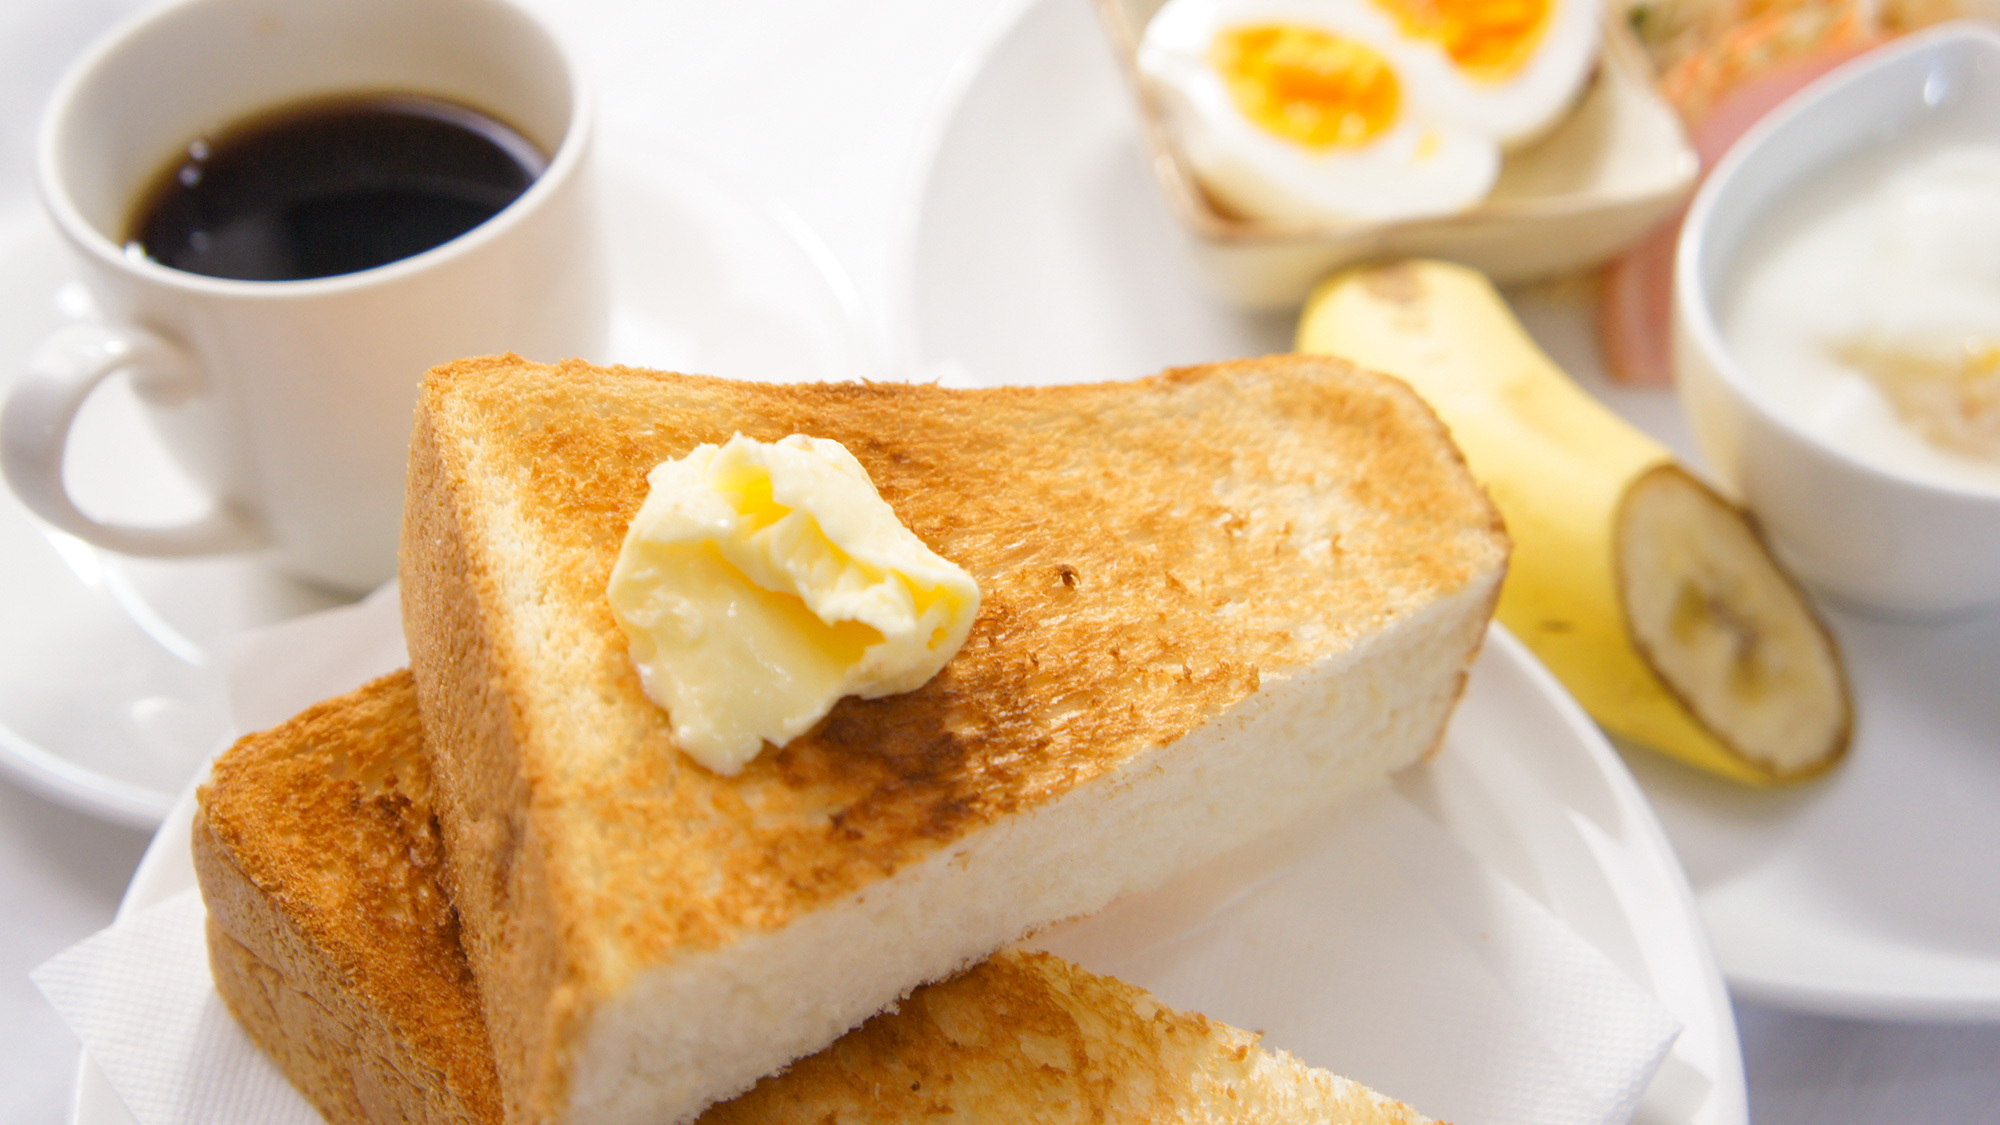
(140, 998)
(1368, 942)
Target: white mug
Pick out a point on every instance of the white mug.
(291, 401)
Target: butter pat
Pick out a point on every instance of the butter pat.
(761, 582)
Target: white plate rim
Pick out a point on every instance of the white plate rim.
(1825, 998)
(167, 868)
(1895, 990)
(54, 778)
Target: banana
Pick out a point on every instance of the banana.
(1650, 597)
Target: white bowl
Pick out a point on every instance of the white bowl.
(1879, 538)
(1614, 167)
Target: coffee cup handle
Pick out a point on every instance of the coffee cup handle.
(34, 431)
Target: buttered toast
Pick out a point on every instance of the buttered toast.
(333, 944)
(1210, 601)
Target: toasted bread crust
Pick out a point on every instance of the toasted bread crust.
(338, 1065)
(1027, 1034)
(1147, 553)
(329, 934)
(499, 886)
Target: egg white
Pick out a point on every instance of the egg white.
(1422, 164)
(1519, 109)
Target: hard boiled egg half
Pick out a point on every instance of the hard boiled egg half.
(1508, 68)
(1318, 110)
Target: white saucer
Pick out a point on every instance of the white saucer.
(1874, 892)
(111, 694)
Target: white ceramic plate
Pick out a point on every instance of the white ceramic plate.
(1874, 892)
(1043, 253)
(1524, 782)
(111, 694)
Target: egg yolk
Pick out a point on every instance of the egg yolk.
(1488, 39)
(1307, 86)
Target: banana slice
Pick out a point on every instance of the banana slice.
(1951, 396)
(1649, 597)
(1725, 630)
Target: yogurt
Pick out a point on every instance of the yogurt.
(1867, 309)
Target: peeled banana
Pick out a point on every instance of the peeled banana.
(1649, 596)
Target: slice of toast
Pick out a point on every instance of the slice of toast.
(329, 933)
(1212, 600)
(333, 944)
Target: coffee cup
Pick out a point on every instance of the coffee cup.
(288, 396)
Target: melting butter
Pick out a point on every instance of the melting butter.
(761, 582)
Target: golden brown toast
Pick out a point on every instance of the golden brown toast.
(1212, 601)
(332, 943)
(1027, 1036)
(329, 933)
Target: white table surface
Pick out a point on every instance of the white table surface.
(829, 106)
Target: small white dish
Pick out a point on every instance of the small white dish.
(1523, 782)
(1866, 532)
(1617, 164)
(111, 686)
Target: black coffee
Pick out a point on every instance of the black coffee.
(331, 186)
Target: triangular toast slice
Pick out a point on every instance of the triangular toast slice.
(1212, 601)
(334, 945)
